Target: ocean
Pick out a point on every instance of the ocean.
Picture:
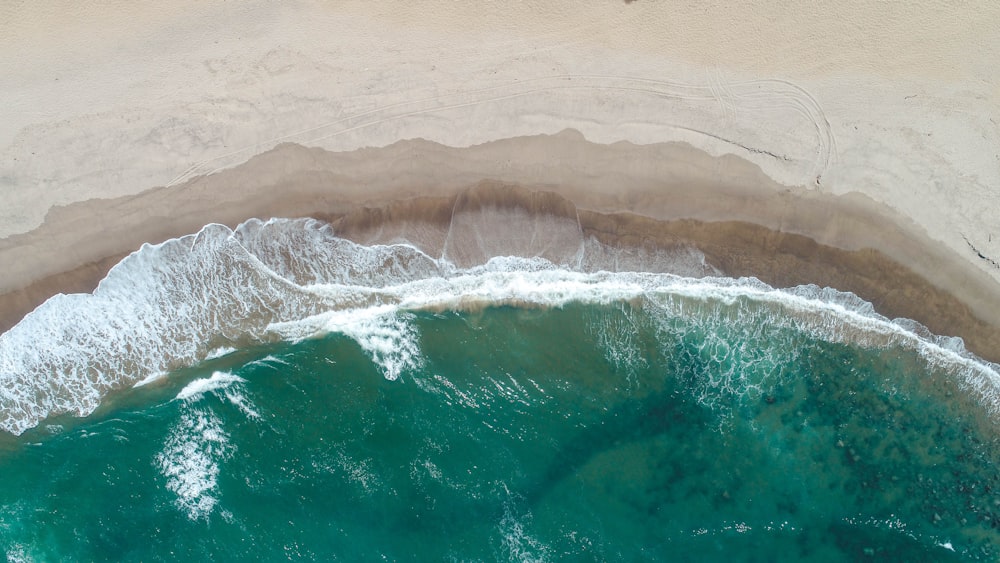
(278, 393)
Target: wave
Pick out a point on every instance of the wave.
(195, 390)
(177, 303)
(197, 445)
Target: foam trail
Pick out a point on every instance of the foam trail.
(173, 304)
(517, 543)
(190, 462)
(198, 444)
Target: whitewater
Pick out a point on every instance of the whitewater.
(172, 305)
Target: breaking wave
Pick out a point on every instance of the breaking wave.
(177, 303)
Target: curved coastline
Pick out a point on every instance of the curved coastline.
(718, 281)
(632, 197)
(169, 306)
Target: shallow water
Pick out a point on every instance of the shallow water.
(602, 432)
(517, 411)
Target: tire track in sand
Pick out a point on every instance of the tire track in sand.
(734, 99)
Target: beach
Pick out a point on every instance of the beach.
(418, 192)
(499, 280)
(109, 144)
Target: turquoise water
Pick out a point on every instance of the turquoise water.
(277, 393)
(583, 432)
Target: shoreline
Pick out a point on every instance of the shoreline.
(628, 196)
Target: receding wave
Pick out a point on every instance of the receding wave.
(174, 304)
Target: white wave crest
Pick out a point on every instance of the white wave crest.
(173, 304)
(196, 389)
(219, 352)
(224, 385)
(157, 310)
(381, 331)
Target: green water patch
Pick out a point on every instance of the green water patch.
(589, 432)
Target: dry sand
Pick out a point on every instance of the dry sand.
(869, 128)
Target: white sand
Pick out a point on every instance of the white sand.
(897, 101)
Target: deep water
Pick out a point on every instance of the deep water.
(637, 427)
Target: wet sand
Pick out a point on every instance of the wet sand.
(868, 128)
(467, 204)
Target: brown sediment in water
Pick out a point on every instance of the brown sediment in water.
(785, 260)
(459, 203)
(737, 249)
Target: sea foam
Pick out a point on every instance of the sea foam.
(192, 456)
(219, 381)
(190, 461)
(177, 303)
